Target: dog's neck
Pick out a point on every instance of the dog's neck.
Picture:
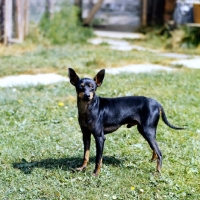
(84, 106)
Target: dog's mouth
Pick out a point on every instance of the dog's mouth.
(85, 97)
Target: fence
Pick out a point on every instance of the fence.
(1, 22)
(15, 16)
(13, 20)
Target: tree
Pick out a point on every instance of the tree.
(92, 13)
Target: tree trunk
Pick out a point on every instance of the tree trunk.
(92, 13)
(144, 12)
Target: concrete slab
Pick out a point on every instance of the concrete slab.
(189, 63)
(139, 68)
(28, 80)
(119, 35)
(175, 55)
(115, 40)
(118, 44)
(114, 43)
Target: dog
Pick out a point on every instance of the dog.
(100, 116)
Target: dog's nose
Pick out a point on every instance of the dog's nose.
(87, 95)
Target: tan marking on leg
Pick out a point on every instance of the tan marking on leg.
(154, 156)
(158, 168)
(85, 161)
(98, 168)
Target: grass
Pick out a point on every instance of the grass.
(182, 40)
(41, 142)
(84, 57)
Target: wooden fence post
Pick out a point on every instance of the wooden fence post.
(7, 21)
(2, 3)
(26, 17)
(144, 13)
(20, 19)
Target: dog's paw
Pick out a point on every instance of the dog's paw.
(153, 159)
(156, 173)
(95, 174)
(81, 168)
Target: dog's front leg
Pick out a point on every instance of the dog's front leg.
(86, 143)
(99, 139)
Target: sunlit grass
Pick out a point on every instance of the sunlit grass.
(41, 142)
(155, 40)
(84, 57)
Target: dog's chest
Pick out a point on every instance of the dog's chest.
(83, 107)
(84, 114)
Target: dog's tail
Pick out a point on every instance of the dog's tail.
(165, 120)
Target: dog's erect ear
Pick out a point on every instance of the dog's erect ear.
(99, 77)
(73, 77)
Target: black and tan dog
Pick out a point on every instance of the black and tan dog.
(100, 116)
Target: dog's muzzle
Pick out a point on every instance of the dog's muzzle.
(85, 96)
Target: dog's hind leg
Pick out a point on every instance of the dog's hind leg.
(150, 135)
(154, 156)
(99, 153)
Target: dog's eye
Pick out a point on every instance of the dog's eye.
(82, 85)
(91, 85)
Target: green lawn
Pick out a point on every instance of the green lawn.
(85, 58)
(41, 142)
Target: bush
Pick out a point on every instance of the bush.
(65, 27)
(192, 37)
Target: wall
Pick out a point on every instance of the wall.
(120, 15)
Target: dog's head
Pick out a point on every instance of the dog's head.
(86, 87)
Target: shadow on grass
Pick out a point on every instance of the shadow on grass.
(68, 164)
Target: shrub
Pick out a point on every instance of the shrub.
(192, 37)
(65, 27)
